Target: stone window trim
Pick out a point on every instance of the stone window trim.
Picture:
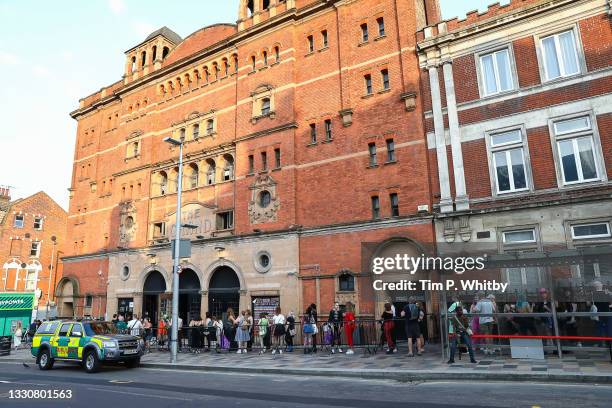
(125, 272)
(258, 261)
(577, 242)
(480, 75)
(597, 146)
(526, 159)
(257, 98)
(346, 272)
(504, 247)
(195, 118)
(582, 67)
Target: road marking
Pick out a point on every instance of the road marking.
(121, 381)
(4, 382)
(139, 395)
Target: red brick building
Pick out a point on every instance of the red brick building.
(517, 114)
(303, 139)
(32, 232)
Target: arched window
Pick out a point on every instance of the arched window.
(346, 282)
(277, 54)
(253, 62)
(154, 52)
(133, 65)
(196, 75)
(228, 169)
(188, 80)
(143, 58)
(266, 4)
(235, 60)
(174, 181)
(165, 52)
(163, 183)
(250, 8)
(225, 67)
(216, 70)
(265, 58)
(179, 83)
(162, 89)
(193, 175)
(210, 127)
(264, 199)
(206, 75)
(265, 106)
(211, 172)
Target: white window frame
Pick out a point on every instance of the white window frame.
(523, 271)
(593, 132)
(30, 278)
(534, 241)
(37, 249)
(491, 150)
(15, 224)
(41, 223)
(542, 57)
(480, 71)
(585, 237)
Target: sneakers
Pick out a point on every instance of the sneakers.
(473, 361)
(450, 362)
(419, 353)
(410, 355)
(349, 352)
(395, 350)
(274, 351)
(244, 351)
(280, 351)
(239, 351)
(340, 350)
(333, 351)
(388, 352)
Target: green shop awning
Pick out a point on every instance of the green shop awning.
(16, 301)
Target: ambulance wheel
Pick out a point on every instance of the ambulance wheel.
(45, 361)
(91, 363)
(132, 363)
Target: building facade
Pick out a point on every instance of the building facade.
(305, 154)
(517, 113)
(32, 232)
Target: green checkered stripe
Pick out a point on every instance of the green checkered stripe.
(16, 301)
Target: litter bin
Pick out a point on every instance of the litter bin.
(5, 345)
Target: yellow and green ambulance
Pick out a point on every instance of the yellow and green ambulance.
(90, 343)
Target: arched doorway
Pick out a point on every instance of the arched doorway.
(190, 299)
(152, 291)
(67, 291)
(223, 291)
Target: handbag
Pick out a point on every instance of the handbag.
(292, 332)
(309, 328)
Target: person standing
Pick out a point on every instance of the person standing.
(349, 326)
(242, 332)
(388, 326)
(278, 322)
(487, 307)
(290, 331)
(196, 335)
(263, 331)
(335, 320)
(135, 326)
(461, 330)
(411, 313)
(315, 316)
(308, 325)
(18, 335)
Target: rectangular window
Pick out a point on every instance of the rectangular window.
(390, 150)
(496, 72)
(30, 280)
(251, 164)
(311, 46)
(325, 38)
(264, 161)
(328, 129)
(368, 84)
(313, 133)
(375, 207)
(576, 149)
(509, 162)
(159, 229)
(182, 134)
(372, 152)
(519, 237)
(277, 158)
(18, 221)
(210, 126)
(225, 220)
(381, 26)
(560, 55)
(196, 131)
(88, 300)
(35, 249)
(38, 223)
(591, 231)
(385, 79)
(365, 36)
(394, 200)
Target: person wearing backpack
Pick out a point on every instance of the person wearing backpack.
(263, 331)
(412, 313)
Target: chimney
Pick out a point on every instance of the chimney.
(5, 194)
(432, 12)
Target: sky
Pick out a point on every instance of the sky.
(52, 53)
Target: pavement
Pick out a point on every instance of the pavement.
(586, 367)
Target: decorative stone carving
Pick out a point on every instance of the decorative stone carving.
(264, 203)
(465, 232)
(127, 227)
(347, 117)
(409, 99)
(449, 230)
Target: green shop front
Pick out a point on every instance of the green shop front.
(15, 307)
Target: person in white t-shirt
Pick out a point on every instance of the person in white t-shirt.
(135, 327)
(486, 306)
(278, 331)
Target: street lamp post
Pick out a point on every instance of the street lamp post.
(177, 243)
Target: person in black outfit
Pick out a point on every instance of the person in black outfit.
(290, 333)
(315, 316)
(336, 319)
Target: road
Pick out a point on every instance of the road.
(117, 387)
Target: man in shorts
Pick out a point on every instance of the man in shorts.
(411, 313)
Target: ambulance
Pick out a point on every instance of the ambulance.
(90, 343)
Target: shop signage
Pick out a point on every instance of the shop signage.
(16, 301)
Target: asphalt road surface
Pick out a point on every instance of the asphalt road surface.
(117, 387)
